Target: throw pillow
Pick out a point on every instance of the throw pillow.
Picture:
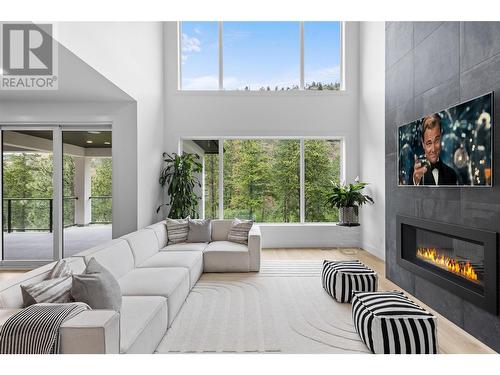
(200, 230)
(57, 290)
(239, 231)
(97, 287)
(61, 268)
(177, 230)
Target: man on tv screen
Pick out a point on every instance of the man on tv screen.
(431, 170)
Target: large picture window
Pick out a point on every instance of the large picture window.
(261, 180)
(260, 56)
(269, 180)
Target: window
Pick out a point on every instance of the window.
(56, 189)
(211, 184)
(199, 57)
(322, 166)
(322, 46)
(260, 179)
(260, 56)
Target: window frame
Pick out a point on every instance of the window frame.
(302, 208)
(300, 91)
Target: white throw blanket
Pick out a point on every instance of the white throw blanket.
(35, 329)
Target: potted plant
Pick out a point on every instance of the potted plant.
(180, 174)
(348, 198)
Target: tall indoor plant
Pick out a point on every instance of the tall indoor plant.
(180, 174)
(347, 198)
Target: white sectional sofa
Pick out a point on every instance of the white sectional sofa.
(155, 280)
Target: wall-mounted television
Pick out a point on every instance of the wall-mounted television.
(453, 147)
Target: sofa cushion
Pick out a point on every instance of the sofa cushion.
(226, 256)
(177, 230)
(220, 229)
(143, 243)
(143, 323)
(200, 230)
(97, 287)
(10, 290)
(171, 283)
(117, 257)
(160, 230)
(97, 248)
(192, 260)
(186, 246)
(239, 231)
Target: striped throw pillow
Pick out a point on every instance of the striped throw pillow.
(56, 290)
(177, 230)
(239, 231)
(60, 269)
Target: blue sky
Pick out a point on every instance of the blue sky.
(259, 54)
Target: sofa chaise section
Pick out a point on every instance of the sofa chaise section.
(221, 255)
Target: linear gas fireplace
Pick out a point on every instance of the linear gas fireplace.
(460, 259)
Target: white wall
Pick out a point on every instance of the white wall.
(213, 114)
(130, 54)
(372, 133)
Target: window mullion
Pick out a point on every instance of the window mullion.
(302, 182)
(301, 83)
(342, 56)
(221, 178)
(57, 192)
(221, 61)
(179, 56)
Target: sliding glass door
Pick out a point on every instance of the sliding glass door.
(27, 195)
(87, 176)
(56, 191)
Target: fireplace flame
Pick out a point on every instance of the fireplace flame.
(432, 255)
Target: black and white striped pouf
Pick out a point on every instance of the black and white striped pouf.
(389, 323)
(341, 278)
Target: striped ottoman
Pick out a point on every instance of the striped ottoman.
(389, 323)
(341, 278)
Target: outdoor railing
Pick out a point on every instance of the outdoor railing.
(36, 214)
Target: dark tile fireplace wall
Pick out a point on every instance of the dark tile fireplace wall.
(431, 66)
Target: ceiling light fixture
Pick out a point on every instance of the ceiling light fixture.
(107, 143)
(94, 132)
(89, 142)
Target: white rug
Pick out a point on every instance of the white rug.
(282, 309)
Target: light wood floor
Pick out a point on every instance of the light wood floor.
(451, 338)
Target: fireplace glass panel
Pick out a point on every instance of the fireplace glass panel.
(454, 258)
(459, 257)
